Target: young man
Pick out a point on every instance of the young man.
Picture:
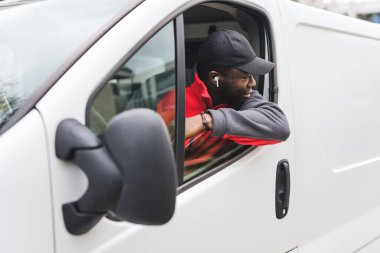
(222, 101)
(222, 108)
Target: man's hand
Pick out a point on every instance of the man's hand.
(193, 125)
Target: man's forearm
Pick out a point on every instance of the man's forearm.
(194, 125)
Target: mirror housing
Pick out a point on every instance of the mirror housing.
(139, 144)
(133, 176)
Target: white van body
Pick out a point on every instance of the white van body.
(328, 78)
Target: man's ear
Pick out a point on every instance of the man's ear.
(213, 77)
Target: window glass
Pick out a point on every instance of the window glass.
(37, 37)
(204, 152)
(147, 80)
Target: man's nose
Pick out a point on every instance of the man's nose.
(252, 81)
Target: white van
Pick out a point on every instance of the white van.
(72, 180)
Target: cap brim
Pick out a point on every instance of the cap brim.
(258, 66)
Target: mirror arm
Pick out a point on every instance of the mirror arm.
(76, 142)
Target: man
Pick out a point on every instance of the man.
(222, 101)
(221, 106)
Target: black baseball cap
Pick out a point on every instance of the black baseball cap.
(229, 48)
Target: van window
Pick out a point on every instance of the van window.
(141, 82)
(204, 152)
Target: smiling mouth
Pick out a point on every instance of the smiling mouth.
(248, 94)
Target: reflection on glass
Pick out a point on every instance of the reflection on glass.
(147, 80)
(37, 38)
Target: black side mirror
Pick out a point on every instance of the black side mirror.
(133, 175)
(139, 143)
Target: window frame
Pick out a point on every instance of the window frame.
(180, 97)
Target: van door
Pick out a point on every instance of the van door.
(335, 93)
(229, 205)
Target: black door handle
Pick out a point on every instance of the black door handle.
(282, 189)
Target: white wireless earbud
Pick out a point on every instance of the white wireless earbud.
(217, 81)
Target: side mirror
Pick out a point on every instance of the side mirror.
(132, 175)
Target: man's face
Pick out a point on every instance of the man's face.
(236, 86)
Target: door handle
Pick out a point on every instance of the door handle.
(282, 189)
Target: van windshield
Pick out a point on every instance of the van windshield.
(38, 36)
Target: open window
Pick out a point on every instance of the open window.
(206, 154)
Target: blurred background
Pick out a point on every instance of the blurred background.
(363, 9)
